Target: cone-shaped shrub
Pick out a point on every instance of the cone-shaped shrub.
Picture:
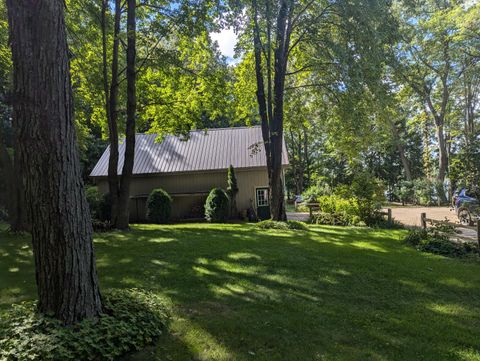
(217, 206)
(159, 206)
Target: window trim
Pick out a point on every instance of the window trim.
(265, 188)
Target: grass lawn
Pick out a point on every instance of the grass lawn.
(238, 293)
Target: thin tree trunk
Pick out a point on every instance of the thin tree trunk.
(306, 157)
(106, 85)
(43, 118)
(442, 162)
(113, 183)
(124, 195)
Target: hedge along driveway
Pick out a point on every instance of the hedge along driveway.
(239, 293)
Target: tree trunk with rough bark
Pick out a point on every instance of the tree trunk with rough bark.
(124, 193)
(112, 115)
(43, 119)
(272, 114)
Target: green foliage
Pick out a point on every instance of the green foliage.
(159, 206)
(437, 240)
(335, 210)
(288, 225)
(100, 205)
(217, 206)
(321, 188)
(425, 191)
(369, 194)
(131, 319)
(232, 190)
(105, 209)
(94, 199)
(406, 192)
(415, 236)
(232, 186)
(336, 219)
(351, 205)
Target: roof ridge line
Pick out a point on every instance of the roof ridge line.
(206, 130)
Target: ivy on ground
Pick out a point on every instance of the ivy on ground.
(132, 319)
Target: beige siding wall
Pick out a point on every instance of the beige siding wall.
(177, 185)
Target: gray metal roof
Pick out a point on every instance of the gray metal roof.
(213, 149)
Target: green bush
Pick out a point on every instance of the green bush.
(159, 206)
(335, 210)
(100, 204)
(436, 240)
(336, 219)
(321, 188)
(132, 319)
(288, 225)
(105, 210)
(217, 206)
(94, 199)
(426, 191)
(415, 236)
(405, 192)
(369, 194)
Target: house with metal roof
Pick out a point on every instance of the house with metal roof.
(188, 168)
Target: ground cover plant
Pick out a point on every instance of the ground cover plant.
(238, 292)
(437, 239)
(131, 320)
(269, 224)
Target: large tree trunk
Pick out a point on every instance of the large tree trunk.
(124, 194)
(42, 115)
(112, 116)
(272, 121)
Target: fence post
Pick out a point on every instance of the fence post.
(423, 220)
(389, 215)
(478, 233)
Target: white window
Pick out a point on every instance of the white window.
(262, 197)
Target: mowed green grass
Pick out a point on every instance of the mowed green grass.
(239, 293)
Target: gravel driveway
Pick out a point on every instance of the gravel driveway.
(410, 215)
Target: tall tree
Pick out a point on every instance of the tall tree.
(122, 215)
(112, 114)
(271, 104)
(43, 120)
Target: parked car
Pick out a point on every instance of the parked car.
(467, 207)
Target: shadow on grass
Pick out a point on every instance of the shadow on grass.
(330, 293)
(301, 295)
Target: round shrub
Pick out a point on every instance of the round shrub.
(94, 199)
(131, 320)
(217, 206)
(159, 206)
(105, 208)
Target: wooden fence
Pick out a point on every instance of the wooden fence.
(424, 220)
